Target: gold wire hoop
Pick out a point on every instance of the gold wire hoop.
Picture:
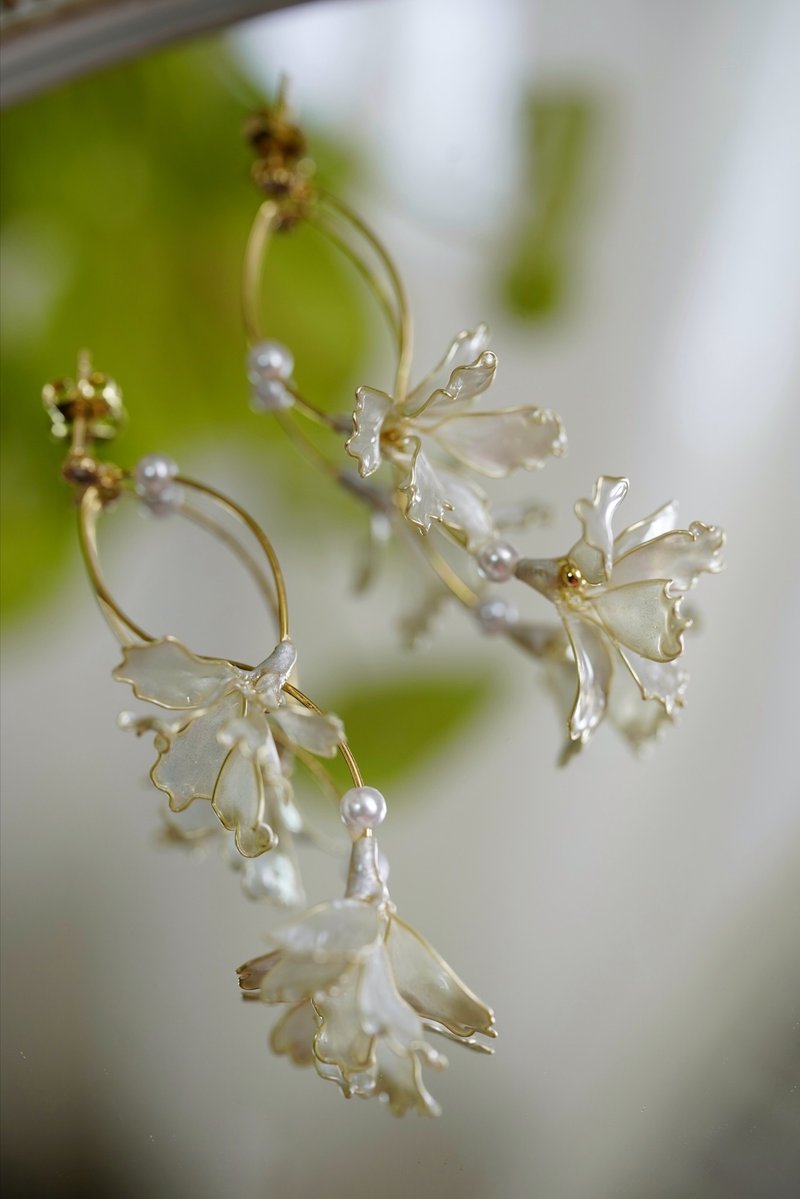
(91, 506)
(327, 213)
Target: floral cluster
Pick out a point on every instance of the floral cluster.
(231, 741)
(435, 433)
(619, 599)
(363, 990)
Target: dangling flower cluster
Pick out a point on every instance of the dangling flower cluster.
(231, 743)
(620, 601)
(422, 453)
(434, 433)
(363, 990)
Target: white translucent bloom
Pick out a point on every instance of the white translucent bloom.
(620, 600)
(222, 745)
(434, 432)
(365, 991)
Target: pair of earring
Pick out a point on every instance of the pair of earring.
(363, 990)
(364, 994)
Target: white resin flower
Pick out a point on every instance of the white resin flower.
(434, 432)
(364, 990)
(620, 600)
(223, 744)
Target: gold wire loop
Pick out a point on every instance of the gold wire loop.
(92, 503)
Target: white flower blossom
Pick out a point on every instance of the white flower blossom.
(620, 600)
(435, 432)
(223, 744)
(364, 990)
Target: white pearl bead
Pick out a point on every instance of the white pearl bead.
(154, 474)
(362, 808)
(270, 394)
(496, 615)
(496, 561)
(269, 359)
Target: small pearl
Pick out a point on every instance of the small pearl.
(166, 502)
(362, 808)
(496, 615)
(270, 394)
(154, 474)
(496, 561)
(269, 359)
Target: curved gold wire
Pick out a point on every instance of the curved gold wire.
(91, 505)
(394, 304)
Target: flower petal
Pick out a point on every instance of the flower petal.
(463, 350)
(427, 500)
(293, 1035)
(340, 1040)
(399, 1083)
(593, 553)
(319, 734)
(595, 669)
(189, 768)
(465, 384)
(681, 557)
(275, 875)
(251, 974)
(497, 443)
(273, 672)
(292, 979)
(658, 522)
(166, 673)
(644, 617)
(469, 511)
(432, 988)
(382, 1011)
(343, 927)
(240, 802)
(365, 442)
(662, 681)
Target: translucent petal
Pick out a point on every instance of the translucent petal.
(382, 1011)
(190, 767)
(342, 927)
(465, 384)
(365, 442)
(240, 802)
(497, 443)
(681, 557)
(469, 510)
(293, 1035)
(427, 500)
(275, 875)
(273, 672)
(319, 734)
(595, 669)
(463, 350)
(658, 522)
(251, 974)
(166, 673)
(292, 979)
(251, 735)
(430, 986)
(596, 516)
(340, 1040)
(639, 721)
(644, 617)
(662, 681)
(399, 1084)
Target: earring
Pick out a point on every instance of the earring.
(363, 991)
(411, 455)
